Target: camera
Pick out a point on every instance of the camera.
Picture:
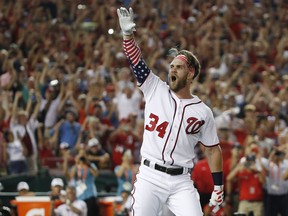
(250, 159)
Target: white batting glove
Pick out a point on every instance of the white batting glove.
(126, 20)
(217, 196)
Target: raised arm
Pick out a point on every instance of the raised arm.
(131, 48)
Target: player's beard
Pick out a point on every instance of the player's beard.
(178, 84)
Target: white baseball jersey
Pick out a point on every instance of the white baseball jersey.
(174, 126)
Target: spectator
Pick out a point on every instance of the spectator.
(14, 153)
(69, 130)
(128, 100)
(97, 155)
(49, 104)
(110, 115)
(228, 166)
(24, 189)
(81, 107)
(123, 204)
(276, 186)
(57, 185)
(26, 125)
(72, 205)
(4, 112)
(82, 175)
(125, 171)
(93, 128)
(203, 181)
(121, 139)
(251, 181)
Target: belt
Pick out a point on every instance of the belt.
(170, 171)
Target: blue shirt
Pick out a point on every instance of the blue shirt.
(69, 133)
(126, 177)
(84, 175)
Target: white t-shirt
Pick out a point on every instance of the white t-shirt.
(15, 151)
(127, 105)
(31, 127)
(52, 113)
(65, 210)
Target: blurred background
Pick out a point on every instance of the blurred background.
(67, 91)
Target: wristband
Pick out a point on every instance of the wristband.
(217, 178)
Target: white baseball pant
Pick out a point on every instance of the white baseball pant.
(152, 189)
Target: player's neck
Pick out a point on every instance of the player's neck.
(183, 94)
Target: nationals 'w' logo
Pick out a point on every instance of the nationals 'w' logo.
(194, 125)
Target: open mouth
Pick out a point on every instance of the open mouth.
(173, 78)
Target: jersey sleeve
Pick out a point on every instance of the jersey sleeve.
(208, 133)
(133, 53)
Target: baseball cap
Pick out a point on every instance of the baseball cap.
(57, 182)
(22, 186)
(93, 142)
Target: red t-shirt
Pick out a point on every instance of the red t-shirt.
(241, 135)
(201, 175)
(81, 116)
(226, 147)
(121, 141)
(250, 186)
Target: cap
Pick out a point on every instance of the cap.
(93, 142)
(64, 145)
(57, 182)
(22, 186)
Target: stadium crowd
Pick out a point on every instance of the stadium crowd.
(67, 91)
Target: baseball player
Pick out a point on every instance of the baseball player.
(175, 121)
